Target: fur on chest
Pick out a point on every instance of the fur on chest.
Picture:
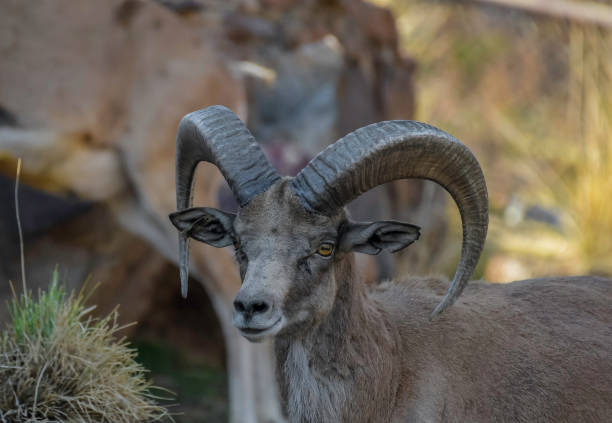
(319, 388)
(314, 393)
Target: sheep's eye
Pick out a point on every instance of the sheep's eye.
(326, 249)
(235, 244)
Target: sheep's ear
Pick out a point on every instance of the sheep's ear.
(205, 224)
(372, 238)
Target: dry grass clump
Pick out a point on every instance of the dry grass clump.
(59, 365)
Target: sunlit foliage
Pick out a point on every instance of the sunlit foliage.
(532, 96)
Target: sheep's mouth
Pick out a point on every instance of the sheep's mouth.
(253, 334)
(249, 331)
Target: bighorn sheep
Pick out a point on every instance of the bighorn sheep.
(529, 351)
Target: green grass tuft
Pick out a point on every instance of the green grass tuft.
(32, 319)
(58, 364)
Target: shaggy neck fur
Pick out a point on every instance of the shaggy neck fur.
(324, 371)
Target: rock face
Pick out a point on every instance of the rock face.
(91, 100)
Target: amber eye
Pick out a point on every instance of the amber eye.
(326, 249)
(235, 244)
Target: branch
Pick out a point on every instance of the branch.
(586, 12)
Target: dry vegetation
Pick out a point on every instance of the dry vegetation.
(533, 97)
(58, 365)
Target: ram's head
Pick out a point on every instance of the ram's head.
(292, 237)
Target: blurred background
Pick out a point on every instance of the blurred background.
(91, 94)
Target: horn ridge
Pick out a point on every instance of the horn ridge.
(217, 135)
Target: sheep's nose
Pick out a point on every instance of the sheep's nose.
(250, 308)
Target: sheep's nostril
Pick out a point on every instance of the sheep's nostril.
(260, 307)
(239, 306)
(250, 308)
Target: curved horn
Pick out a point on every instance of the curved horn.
(218, 136)
(386, 151)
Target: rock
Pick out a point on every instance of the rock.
(240, 28)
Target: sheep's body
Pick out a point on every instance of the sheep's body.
(529, 351)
